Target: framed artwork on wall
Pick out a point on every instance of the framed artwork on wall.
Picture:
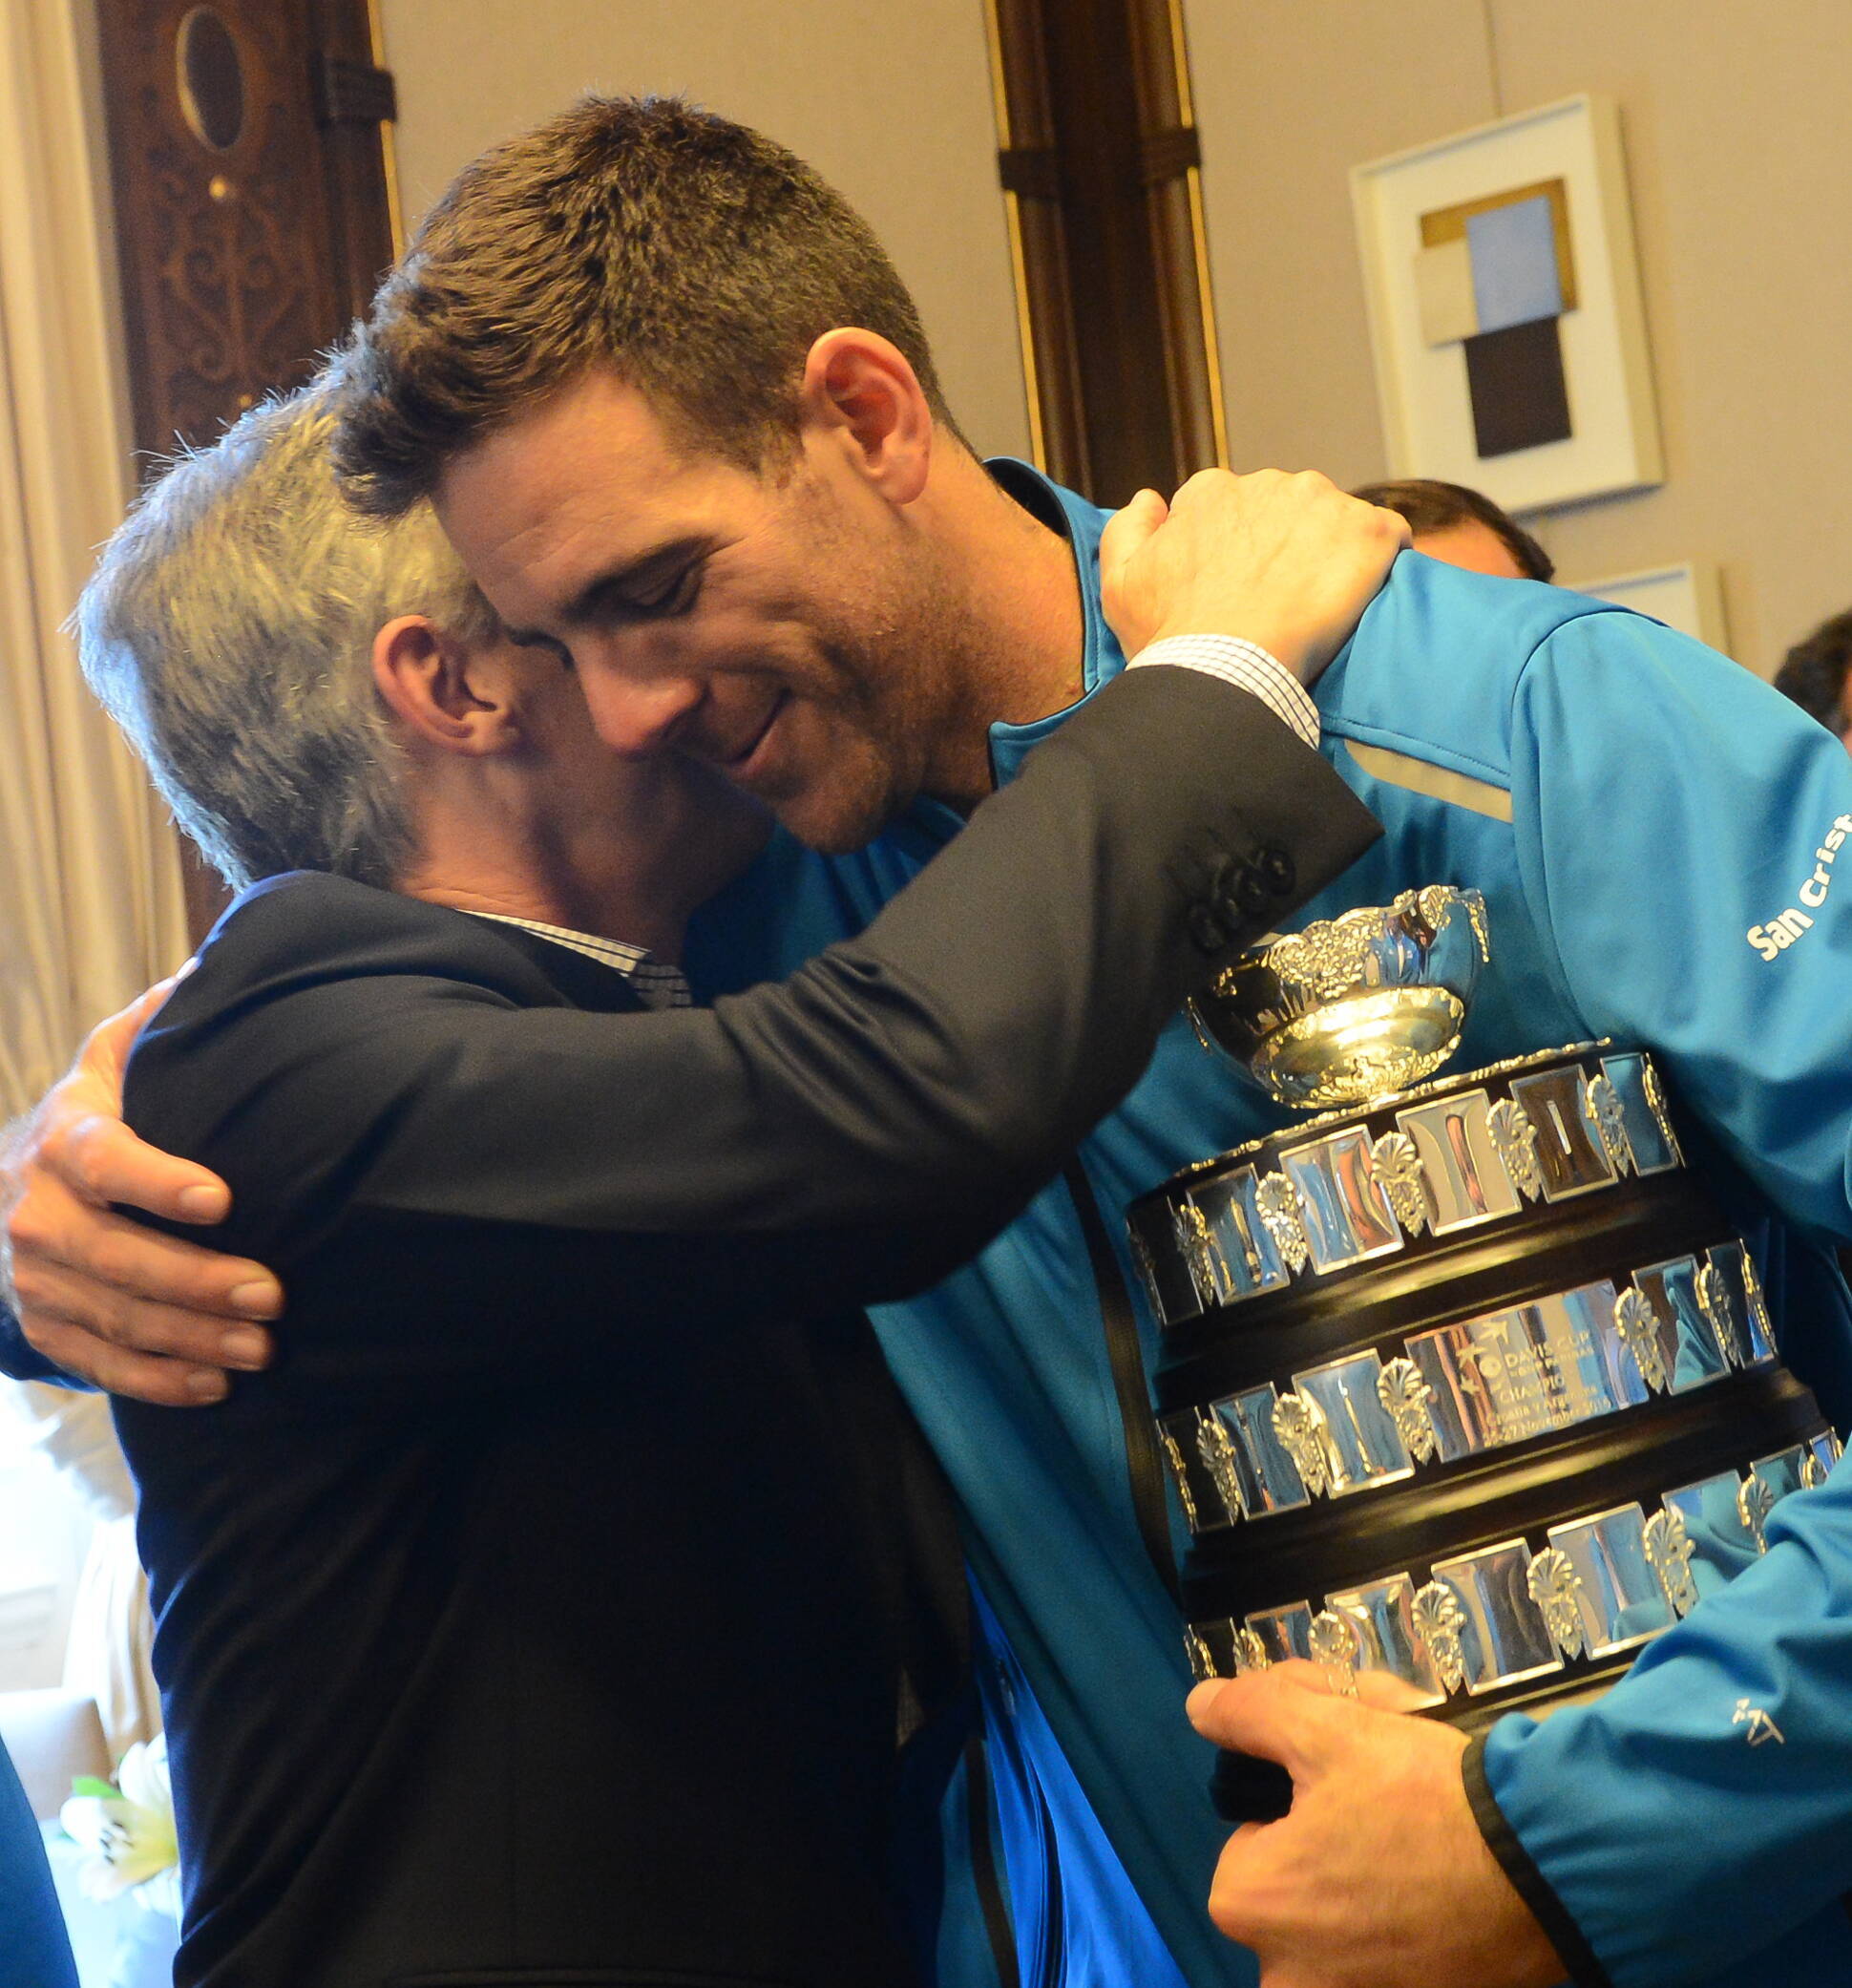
(1685, 596)
(1505, 318)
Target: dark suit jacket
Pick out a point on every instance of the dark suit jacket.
(536, 1620)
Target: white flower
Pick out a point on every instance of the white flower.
(128, 1830)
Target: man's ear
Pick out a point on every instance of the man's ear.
(859, 390)
(445, 692)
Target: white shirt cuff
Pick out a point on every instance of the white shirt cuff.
(1248, 667)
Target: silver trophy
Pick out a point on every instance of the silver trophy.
(1468, 1380)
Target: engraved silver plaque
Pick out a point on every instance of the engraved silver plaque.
(1504, 1640)
(1749, 1308)
(1620, 1596)
(1283, 1632)
(1524, 1373)
(1719, 1535)
(1688, 1341)
(1345, 1210)
(1266, 1476)
(1251, 1257)
(1382, 1614)
(1570, 1148)
(1785, 1471)
(1361, 1442)
(1650, 1137)
(1466, 1181)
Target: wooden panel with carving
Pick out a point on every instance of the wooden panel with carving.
(240, 233)
(252, 208)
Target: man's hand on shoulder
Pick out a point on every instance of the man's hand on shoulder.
(1377, 1878)
(136, 1312)
(1288, 562)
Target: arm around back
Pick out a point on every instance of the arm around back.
(850, 1133)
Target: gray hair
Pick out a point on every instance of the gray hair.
(228, 630)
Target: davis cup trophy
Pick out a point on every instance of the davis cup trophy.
(1469, 1381)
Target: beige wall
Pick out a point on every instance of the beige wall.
(890, 101)
(1735, 120)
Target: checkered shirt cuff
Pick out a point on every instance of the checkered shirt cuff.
(1248, 667)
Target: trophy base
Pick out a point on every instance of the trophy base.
(1366, 1046)
(1475, 1385)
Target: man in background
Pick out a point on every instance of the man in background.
(1463, 528)
(1817, 673)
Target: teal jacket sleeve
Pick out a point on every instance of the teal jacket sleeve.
(1686, 843)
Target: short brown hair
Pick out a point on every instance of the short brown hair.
(1430, 505)
(1814, 672)
(696, 259)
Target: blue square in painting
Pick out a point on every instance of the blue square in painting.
(1514, 265)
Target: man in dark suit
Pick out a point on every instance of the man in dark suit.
(550, 1610)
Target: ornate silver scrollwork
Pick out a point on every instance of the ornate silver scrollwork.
(1556, 1588)
(1208, 1271)
(1282, 1210)
(1440, 1623)
(1669, 1553)
(1611, 1122)
(1179, 1474)
(1432, 903)
(1755, 1501)
(1202, 1659)
(1762, 1326)
(1216, 1449)
(1514, 1139)
(1714, 1302)
(1404, 1392)
(1250, 1651)
(1655, 1103)
(1322, 961)
(1299, 1423)
(1638, 1326)
(1395, 1162)
(1336, 1647)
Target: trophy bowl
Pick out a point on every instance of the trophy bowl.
(1354, 1007)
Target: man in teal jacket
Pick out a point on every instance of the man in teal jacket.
(1640, 812)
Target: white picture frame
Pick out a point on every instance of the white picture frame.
(1421, 388)
(1688, 597)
